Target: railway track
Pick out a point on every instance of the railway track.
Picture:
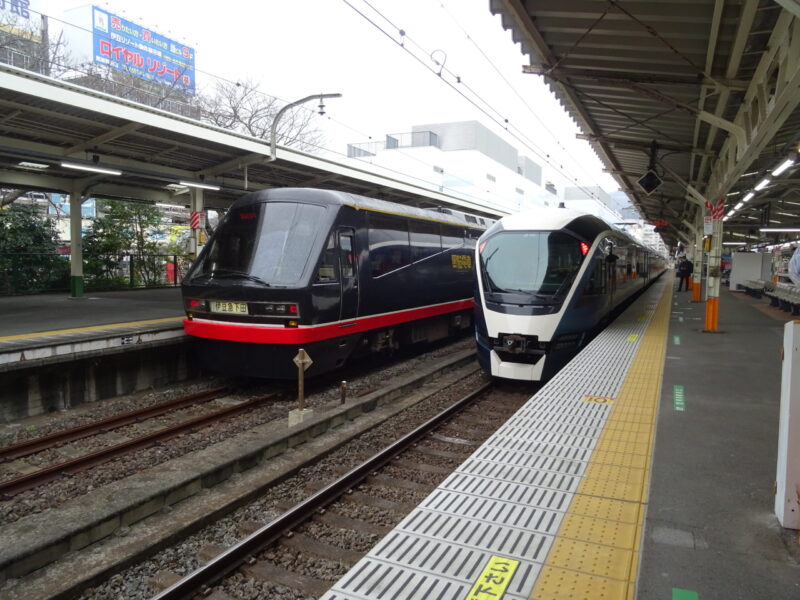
(178, 488)
(46, 442)
(68, 468)
(406, 464)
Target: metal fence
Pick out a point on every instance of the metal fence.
(31, 273)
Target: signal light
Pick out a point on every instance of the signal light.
(584, 248)
(293, 309)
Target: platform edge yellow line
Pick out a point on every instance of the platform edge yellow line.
(586, 561)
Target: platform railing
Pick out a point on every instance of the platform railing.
(32, 273)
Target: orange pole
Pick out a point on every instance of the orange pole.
(696, 291)
(712, 314)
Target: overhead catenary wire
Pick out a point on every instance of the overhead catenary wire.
(513, 89)
(497, 200)
(445, 73)
(499, 120)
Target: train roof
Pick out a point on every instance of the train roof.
(335, 198)
(583, 224)
(549, 219)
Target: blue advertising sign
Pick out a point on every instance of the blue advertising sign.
(126, 46)
(59, 205)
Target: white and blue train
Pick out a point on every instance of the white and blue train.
(548, 280)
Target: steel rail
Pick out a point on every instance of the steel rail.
(19, 484)
(76, 433)
(201, 580)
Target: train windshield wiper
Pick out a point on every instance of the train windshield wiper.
(232, 273)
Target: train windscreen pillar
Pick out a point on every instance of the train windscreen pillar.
(787, 488)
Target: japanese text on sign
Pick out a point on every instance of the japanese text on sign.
(126, 46)
(494, 579)
(461, 261)
(22, 18)
(20, 8)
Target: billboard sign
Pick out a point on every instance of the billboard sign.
(21, 18)
(129, 47)
(59, 206)
(104, 38)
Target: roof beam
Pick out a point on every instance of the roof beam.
(693, 194)
(629, 144)
(793, 6)
(627, 79)
(101, 139)
(772, 97)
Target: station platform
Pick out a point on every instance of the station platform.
(643, 470)
(51, 325)
(57, 352)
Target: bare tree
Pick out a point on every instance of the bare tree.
(130, 86)
(242, 107)
(25, 45)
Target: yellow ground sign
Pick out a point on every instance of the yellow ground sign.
(494, 579)
(598, 399)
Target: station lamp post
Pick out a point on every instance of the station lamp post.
(281, 112)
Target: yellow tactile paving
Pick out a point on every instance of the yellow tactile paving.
(594, 559)
(621, 459)
(605, 508)
(595, 555)
(589, 529)
(626, 447)
(22, 336)
(561, 584)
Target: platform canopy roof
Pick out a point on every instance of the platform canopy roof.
(45, 123)
(703, 93)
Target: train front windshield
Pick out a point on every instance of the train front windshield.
(270, 243)
(530, 267)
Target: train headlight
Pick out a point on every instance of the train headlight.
(278, 309)
(514, 343)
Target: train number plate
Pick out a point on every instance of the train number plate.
(229, 307)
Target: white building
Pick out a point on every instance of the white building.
(464, 159)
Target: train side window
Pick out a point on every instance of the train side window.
(596, 284)
(389, 247)
(326, 272)
(348, 260)
(425, 240)
(452, 237)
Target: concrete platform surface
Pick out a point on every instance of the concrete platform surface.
(710, 526)
(20, 315)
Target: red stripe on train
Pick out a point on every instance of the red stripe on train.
(236, 332)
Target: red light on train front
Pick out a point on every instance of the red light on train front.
(293, 309)
(194, 304)
(584, 248)
(483, 245)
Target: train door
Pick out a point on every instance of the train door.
(348, 270)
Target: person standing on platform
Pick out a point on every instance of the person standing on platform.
(685, 268)
(794, 268)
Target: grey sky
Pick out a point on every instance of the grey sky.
(300, 47)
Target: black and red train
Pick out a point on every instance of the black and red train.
(339, 275)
